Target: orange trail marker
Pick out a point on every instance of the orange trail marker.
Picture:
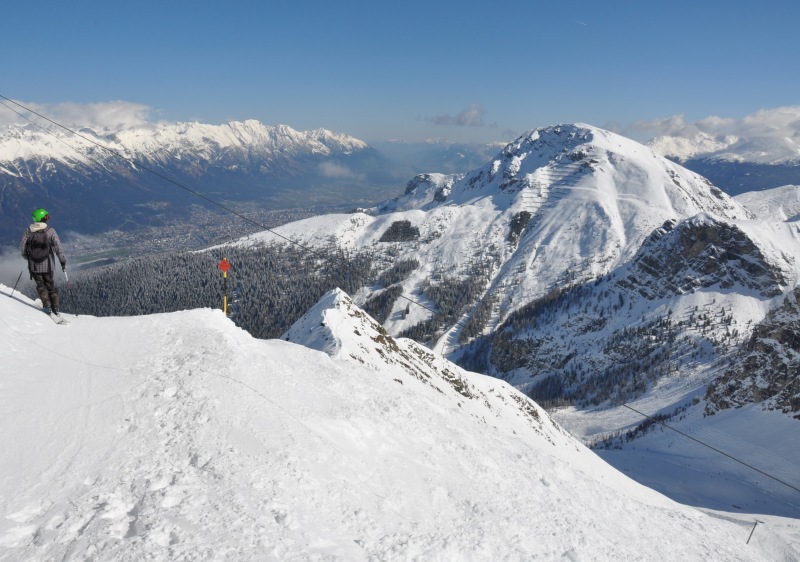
(224, 265)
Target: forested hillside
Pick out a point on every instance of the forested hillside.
(269, 286)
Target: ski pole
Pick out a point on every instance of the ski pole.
(15, 284)
(753, 530)
(69, 286)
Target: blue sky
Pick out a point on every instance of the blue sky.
(465, 70)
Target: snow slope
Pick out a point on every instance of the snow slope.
(594, 201)
(778, 204)
(179, 437)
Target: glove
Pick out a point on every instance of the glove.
(63, 266)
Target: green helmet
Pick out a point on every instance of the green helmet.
(39, 215)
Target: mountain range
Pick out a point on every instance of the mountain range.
(276, 167)
(583, 268)
(558, 206)
(563, 217)
(736, 164)
(98, 180)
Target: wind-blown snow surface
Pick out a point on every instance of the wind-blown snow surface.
(180, 437)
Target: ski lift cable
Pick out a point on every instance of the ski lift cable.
(723, 453)
(172, 181)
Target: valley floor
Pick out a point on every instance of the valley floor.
(694, 474)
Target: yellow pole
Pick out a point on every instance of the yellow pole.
(225, 298)
(224, 266)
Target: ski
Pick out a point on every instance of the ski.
(58, 319)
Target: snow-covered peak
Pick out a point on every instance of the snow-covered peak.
(682, 148)
(318, 328)
(569, 202)
(345, 142)
(621, 172)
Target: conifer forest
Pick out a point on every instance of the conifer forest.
(269, 287)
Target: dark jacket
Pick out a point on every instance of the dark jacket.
(48, 265)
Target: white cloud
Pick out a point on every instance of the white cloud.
(112, 115)
(472, 116)
(781, 122)
(331, 170)
(766, 136)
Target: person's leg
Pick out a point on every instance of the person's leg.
(50, 283)
(42, 289)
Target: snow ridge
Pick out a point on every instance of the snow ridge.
(178, 436)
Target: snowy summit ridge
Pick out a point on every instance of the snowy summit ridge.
(152, 143)
(577, 155)
(339, 328)
(179, 436)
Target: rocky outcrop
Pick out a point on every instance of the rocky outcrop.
(766, 370)
(700, 253)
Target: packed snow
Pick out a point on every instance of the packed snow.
(180, 437)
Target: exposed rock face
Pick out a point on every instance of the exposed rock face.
(766, 369)
(702, 252)
(400, 231)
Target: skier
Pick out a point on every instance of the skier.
(40, 245)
